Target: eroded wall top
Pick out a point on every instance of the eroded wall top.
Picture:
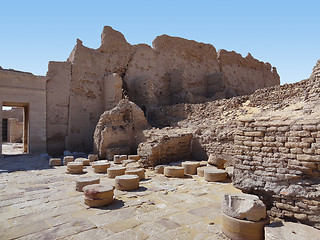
(174, 70)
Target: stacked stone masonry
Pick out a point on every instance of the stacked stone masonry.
(280, 161)
(166, 149)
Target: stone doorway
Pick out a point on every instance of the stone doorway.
(15, 128)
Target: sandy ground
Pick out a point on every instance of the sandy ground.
(39, 202)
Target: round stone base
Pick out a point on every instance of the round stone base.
(85, 181)
(116, 171)
(127, 182)
(98, 202)
(55, 162)
(117, 159)
(239, 229)
(174, 171)
(98, 191)
(139, 172)
(100, 166)
(200, 170)
(75, 167)
(134, 157)
(84, 161)
(190, 167)
(159, 169)
(215, 175)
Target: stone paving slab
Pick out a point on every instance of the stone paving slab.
(39, 202)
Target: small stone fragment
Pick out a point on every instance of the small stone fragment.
(93, 157)
(217, 161)
(67, 159)
(55, 162)
(244, 206)
(134, 157)
(229, 171)
(159, 169)
(84, 161)
(117, 159)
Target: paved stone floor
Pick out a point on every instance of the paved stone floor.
(38, 202)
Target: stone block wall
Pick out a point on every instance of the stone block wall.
(166, 149)
(21, 89)
(15, 130)
(280, 161)
(58, 100)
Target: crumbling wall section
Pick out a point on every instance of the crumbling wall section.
(188, 65)
(174, 71)
(122, 128)
(280, 161)
(243, 76)
(89, 79)
(165, 148)
(58, 103)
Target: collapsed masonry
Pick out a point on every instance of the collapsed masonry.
(272, 139)
(279, 161)
(120, 130)
(174, 71)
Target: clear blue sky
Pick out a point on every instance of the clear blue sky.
(284, 33)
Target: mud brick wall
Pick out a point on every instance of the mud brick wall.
(166, 149)
(280, 161)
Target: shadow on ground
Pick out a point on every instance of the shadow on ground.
(22, 162)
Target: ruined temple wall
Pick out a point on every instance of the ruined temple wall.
(118, 129)
(166, 149)
(145, 81)
(280, 161)
(175, 70)
(188, 65)
(58, 94)
(242, 76)
(89, 83)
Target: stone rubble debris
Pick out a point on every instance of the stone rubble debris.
(75, 167)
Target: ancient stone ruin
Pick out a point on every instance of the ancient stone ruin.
(179, 108)
(120, 130)
(91, 81)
